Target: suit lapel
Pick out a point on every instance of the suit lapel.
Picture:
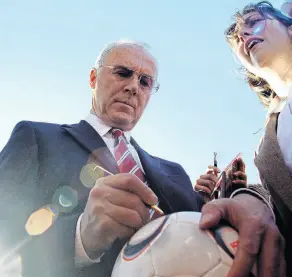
(174, 195)
(272, 167)
(152, 170)
(88, 138)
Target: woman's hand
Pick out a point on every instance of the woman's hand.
(236, 179)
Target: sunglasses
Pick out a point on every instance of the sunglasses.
(147, 82)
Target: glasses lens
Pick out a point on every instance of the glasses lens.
(146, 81)
(123, 72)
(259, 27)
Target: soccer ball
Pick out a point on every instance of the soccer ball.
(175, 246)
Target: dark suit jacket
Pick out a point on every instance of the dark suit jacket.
(277, 179)
(38, 159)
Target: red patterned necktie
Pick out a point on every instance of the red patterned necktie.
(126, 161)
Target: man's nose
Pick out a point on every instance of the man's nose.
(133, 85)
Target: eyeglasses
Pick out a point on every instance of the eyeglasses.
(147, 82)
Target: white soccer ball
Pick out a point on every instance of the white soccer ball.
(175, 246)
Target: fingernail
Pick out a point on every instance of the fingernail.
(155, 197)
(206, 218)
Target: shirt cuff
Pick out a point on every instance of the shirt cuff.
(256, 194)
(81, 257)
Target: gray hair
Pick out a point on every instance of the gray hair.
(123, 42)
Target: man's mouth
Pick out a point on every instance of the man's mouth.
(126, 103)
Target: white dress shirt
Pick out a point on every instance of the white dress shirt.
(81, 258)
(284, 132)
(284, 126)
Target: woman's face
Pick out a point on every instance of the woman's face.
(261, 44)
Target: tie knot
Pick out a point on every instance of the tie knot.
(117, 133)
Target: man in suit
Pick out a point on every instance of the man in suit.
(50, 164)
(45, 164)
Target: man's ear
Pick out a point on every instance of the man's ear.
(92, 78)
(286, 9)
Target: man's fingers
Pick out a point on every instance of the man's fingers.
(123, 216)
(282, 265)
(114, 229)
(128, 200)
(212, 213)
(250, 236)
(132, 183)
(249, 245)
(270, 256)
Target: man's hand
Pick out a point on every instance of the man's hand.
(115, 209)
(259, 238)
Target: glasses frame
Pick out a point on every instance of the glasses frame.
(156, 85)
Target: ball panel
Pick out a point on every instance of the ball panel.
(227, 240)
(225, 258)
(230, 237)
(221, 270)
(184, 275)
(189, 217)
(188, 241)
(175, 246)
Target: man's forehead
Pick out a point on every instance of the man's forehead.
(134, 57)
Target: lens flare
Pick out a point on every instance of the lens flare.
(41, 220)
(65, 198)
(89, 174)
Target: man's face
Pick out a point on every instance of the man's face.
(119, 98)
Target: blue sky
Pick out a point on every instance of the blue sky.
(48, 47)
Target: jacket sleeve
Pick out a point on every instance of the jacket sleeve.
(52, 252)
(258, 191)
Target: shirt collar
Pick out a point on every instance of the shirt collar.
(100, 127)
(276, 105)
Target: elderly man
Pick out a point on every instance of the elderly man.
(42, 159)
(45, 164)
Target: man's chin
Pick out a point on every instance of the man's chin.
(123, 121)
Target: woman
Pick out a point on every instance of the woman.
(261, 38)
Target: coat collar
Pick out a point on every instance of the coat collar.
(272, 167)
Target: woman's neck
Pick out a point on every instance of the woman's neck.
(280, 78)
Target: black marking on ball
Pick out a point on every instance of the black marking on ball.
(131, 250)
